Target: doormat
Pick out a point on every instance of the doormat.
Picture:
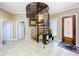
(69, 47)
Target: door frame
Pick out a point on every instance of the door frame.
(74, 28)
(2, 35)
(17, 22)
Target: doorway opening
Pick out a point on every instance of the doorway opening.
(20, 30)
(6, 31)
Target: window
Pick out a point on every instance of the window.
(54, 27)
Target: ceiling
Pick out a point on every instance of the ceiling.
(54, 7)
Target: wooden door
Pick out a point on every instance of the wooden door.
(69, 29)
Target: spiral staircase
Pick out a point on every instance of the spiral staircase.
(38, 15)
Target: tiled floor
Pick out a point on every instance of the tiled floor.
(31, 48)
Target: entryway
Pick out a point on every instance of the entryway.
(69, 29)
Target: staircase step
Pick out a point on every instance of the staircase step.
(43, 28)
(42, 22)
(42, 25)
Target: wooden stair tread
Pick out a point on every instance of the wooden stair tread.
(42, 25)
(43, 28)
(41, 22)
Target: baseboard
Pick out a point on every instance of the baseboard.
(77, 45)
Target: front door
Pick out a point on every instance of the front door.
(69, 29)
